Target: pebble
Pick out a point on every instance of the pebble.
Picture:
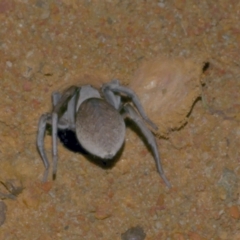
(234, 212)
(228, 182)
(134, 233)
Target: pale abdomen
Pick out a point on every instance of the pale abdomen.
(100, 128)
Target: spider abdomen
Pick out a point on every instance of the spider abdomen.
(100, 128)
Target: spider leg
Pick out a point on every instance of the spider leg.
(133, 115)
(113, 99)
(115, 87)
(67, 120)
(43, 121)
(64, 106)
(55, 98)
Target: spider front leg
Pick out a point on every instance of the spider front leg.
(133, 115)
(110, 89)
(62, 117)
(56, 96)
(43, 121)
(64, 106)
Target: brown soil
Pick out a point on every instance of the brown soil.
(48, 45)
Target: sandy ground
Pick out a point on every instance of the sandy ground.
(48, 45)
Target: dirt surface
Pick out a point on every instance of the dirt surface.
(48, 45)
(168, 88)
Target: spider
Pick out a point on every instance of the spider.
(97, 118)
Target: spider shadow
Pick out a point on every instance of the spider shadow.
(69, 140)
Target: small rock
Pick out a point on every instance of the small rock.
(228, 182)
(3, 210)
(103, 211)
(158, 225)
(134, 233)
(234, 212)
(46, 186)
